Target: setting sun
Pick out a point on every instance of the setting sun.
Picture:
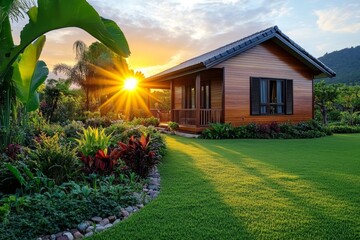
(130, 84)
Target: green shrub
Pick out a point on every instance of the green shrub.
(116, 130)
(219, 131)
(348, 118)
(53, 159)
(309, 129)
(150, 121)
(73, 128)
(173, 126)
(157, 143)
(91, 140)
(97, 122)
(63, 207)
(52, 129)
(344, 129)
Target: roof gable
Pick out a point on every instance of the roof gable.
(212, 58)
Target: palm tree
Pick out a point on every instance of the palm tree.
(92, 63)
(18, 8)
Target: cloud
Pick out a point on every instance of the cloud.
(344, 19)
(161, 29)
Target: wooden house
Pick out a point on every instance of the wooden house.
(262, 78)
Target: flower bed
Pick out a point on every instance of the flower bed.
(55, 182)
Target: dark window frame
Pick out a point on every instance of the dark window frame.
(255, 97)
(205, 100)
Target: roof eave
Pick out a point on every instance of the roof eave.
(325, 72)
(179, 73)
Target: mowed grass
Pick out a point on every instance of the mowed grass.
(253, 189)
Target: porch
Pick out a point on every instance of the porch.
(196, 100)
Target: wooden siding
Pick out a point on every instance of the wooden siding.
(216, 93)
(270, 61)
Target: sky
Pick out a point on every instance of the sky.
(164, 33)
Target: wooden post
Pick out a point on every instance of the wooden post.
(197, 96)
(172, 100)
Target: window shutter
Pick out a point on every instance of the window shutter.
(289, 97)
(255, 96)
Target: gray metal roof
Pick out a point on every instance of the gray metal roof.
(212, 58)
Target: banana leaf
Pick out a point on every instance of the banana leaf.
(29, 74)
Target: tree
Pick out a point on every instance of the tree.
(325, 96)
(20, 71)
(97, 70)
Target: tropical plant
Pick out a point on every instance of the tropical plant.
(19, 65)
(93, 139)
(102, 163)
(137, 155)
(54, 160)
(173, 126)
(91, 64)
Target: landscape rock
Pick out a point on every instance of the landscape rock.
(96, 219)
(69, 235)
(116, 221)
(82, 227)
(78, 235)
(52, 237)
(104, 222)
(109, 225)
(63, 237)
(124, 213)
(89, 229)
(99, 229)
(112, 218)
(129, 209)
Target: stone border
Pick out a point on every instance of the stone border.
(97, 224)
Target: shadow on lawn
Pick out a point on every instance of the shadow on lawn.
(188, 207)
(295, 207)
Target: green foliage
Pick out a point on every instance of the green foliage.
(173, 126)
(219, 131)
(344, 129)
(97, 122)
(63, 207)
(29, 74)
(73, 128)
(324, 97)
(149, 121)
(345, 63)
(24, 71)
(137, 155)
(351, 119)
(309, 129)
(93, 139)
(54, 160)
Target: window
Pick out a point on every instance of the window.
(205, 95)
(189, 97)
(271, 96)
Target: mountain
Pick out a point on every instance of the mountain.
(346, 64)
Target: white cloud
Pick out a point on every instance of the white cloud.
(339, 19)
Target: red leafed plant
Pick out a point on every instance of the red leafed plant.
(137, 155)
(102, 163)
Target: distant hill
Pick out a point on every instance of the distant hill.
(346, 64)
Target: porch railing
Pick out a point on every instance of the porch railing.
(163, 115)
(188, 116)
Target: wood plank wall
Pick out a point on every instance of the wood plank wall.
(270, 61)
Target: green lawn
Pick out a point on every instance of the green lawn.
(253, 189)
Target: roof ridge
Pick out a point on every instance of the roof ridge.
(240, 40)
